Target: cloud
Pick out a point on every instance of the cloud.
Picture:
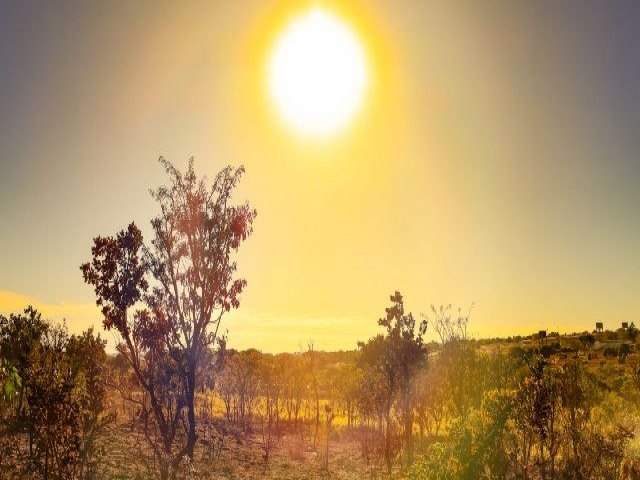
(78, 316)
(246, 328)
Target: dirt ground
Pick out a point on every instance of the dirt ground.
(240, 456)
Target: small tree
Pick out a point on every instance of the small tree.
(347, 381)
(458, 359)
(54, 413)
(185, 279)
(65, 403)
(588, 340)
(632, 332)
(398, 356)
(270, 388)
(313, 369)
(87, 359)
(623, 352)
(191, 261)
(20, 334)
(117, 273)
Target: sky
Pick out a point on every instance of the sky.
(494, 162)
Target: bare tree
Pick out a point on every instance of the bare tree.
(270, 381)
(311, 355)
(447, 328)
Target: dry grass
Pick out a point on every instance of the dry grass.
(239, 456)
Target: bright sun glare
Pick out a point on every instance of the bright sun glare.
(317, 74)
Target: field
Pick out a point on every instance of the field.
(241, 456)
(267, 416)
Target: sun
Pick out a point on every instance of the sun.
(317, 74)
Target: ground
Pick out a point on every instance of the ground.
(241, 457)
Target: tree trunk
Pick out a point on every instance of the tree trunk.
(315, 437)
(408, 436)
(387, 443)
(191, 414)
(46, 461)
(164, 472)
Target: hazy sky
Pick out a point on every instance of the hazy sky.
(495, 161)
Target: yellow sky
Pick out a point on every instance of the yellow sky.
(482, 168)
